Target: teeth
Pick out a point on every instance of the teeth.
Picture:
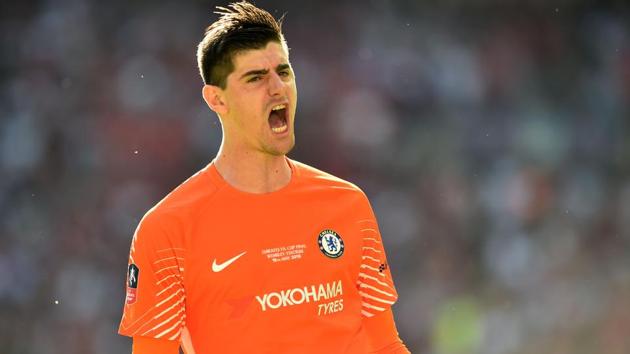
(279, 107)
(280, 129)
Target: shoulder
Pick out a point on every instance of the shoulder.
(183, 201)
(335, 193)
(310, 174)
(321, 180)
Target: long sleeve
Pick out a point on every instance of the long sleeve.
(155, 302)
(376, 288)
(375, 283)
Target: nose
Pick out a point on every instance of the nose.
(275, 85)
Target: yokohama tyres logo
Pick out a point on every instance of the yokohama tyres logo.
(298, 296)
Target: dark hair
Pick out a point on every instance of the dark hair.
(241, 26)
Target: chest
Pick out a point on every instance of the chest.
(244, 251)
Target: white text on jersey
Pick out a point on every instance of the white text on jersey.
(297, 296)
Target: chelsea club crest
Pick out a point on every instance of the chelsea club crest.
(330, 243)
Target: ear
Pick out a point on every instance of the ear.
(213, 95)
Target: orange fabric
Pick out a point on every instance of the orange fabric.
(147, 345)
(383, 335)
(296, 270)
(394, 348)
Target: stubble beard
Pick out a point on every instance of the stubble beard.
(276, 151)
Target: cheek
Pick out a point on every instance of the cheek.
(245, 107)
(294, 97)
(294, 89)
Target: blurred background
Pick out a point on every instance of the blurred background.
(492, 137)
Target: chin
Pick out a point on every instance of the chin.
(280, 149)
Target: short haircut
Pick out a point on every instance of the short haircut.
(240, 27)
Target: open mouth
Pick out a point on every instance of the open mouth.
(278, 119)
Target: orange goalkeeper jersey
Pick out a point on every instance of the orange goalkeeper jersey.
(292, 271)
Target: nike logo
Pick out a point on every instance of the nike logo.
(219, 267)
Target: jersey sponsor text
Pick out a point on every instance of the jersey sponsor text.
(297, 296)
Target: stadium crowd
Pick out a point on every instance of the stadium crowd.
(492, 138)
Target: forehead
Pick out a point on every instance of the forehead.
(266, 58)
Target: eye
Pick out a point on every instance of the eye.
(254, 78)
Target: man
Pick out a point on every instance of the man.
(257, 253)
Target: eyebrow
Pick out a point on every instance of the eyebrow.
(280, 67)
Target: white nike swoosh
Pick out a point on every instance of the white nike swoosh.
(219, 267)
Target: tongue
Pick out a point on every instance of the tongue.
(276, 119)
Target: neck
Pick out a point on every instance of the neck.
(252, 171)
